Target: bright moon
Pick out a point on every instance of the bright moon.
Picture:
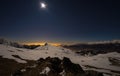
(43, 5)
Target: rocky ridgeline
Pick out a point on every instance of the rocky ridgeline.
(54, 67)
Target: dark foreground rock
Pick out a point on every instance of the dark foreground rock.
(54, 67)
(114, 61)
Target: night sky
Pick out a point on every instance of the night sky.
(60, 21)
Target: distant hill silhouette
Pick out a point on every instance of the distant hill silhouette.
(95, 48)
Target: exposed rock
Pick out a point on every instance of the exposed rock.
(71, 67)
(114, 61)
(55, 67)
(45, 44)
(93, 73)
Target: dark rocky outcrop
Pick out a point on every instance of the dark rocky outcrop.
(56, 67)
(71, 67)
(114, 61)
(93, 73)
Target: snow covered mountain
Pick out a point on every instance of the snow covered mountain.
(7, 51)
(98, 62)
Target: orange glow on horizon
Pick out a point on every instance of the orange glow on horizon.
(42, 43)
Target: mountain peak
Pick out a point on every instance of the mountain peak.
(45, 44)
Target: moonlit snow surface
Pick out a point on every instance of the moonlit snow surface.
(99, 61)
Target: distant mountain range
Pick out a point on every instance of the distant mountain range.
(95, 47)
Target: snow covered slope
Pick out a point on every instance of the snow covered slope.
(98, 62)
(40, 52)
